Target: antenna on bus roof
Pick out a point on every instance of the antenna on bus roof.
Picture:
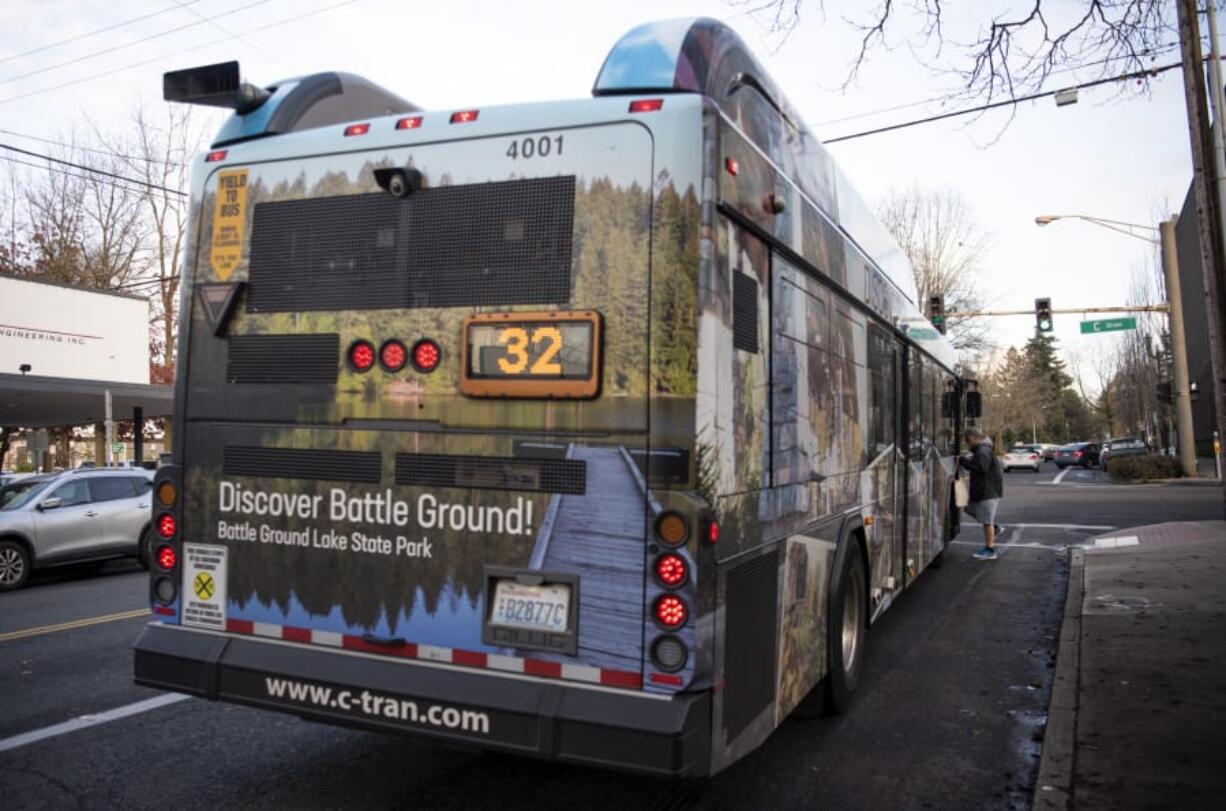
(214, 86)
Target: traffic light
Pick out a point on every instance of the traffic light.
(936, 312)
(1042, 314)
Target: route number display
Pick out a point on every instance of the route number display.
(532, 355)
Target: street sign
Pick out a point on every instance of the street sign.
(1108, 325)
(116, 447)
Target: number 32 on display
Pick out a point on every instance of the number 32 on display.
(517, 341)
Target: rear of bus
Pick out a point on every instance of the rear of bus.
(436, 374)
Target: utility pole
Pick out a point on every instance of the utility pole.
(1206, 210)
(1181, 394)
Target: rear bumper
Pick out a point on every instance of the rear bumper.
(597, 727)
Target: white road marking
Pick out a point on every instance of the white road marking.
(1111, 543)
(87, 721)
(1096, 527)
(1060, 476)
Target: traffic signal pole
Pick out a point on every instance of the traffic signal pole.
(1182, 394)
(1131, 308)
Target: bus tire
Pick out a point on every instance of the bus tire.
(847, 630)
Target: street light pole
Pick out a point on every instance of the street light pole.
(1181, 394)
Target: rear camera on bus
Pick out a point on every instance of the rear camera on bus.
(671, 611)
(426, 355)
(671, 570)
(166, 525)
(671, 529)
(167, 557)
(362, 356)
(669, 653)
(393, 356)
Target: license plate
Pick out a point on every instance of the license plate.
(543, 608)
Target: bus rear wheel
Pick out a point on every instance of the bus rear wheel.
(847, 630)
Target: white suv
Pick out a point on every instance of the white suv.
(70, 517)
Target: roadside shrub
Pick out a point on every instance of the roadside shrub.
(1144, 468)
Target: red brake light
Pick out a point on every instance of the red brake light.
(167, 525)
(464, 116)
(426, 355)
(732, 166)
(362, 355)
(646, 105)
(671, 570)
(215, 155)
(410, 123)
(393, 355)
(357, 129)
(712, 531)
(671, 611)
(1076, 453)
(166, 557)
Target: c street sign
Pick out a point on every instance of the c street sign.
(1108, 325)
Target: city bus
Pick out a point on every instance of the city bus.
(598, 431)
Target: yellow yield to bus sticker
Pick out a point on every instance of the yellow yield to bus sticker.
(204, 586)
(229, 216)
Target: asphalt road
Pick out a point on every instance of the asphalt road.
(950, 711)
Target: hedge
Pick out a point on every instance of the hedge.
(1144, 468)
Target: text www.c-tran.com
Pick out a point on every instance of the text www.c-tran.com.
(378, 706)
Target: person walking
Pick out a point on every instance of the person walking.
(987, 488)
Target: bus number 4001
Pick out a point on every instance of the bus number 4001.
(541, 147)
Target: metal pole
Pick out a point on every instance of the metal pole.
(1181, 393)
(110, 431)
(138, 434)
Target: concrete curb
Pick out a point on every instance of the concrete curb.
(1054, 786)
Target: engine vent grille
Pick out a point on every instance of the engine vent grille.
(298, 463)
(283, 358)
(451, 246)
(752, 628)
(493, 472)
(744, 312)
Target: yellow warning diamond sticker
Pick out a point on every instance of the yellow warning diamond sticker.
(229, 218)
(204, 586)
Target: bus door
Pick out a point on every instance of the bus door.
(917, 446)
(882, 480)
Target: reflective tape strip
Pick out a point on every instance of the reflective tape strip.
(433, 653)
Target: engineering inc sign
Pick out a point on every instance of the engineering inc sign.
(51, 330)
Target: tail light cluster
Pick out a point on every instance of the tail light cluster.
(165, 541)
(393, 355)
(673, 577)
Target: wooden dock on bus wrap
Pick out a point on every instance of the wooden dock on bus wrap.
(600, 535)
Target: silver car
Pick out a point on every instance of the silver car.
(70, 517)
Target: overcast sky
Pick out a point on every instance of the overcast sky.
(1117, 154)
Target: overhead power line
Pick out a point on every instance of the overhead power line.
(94, 150)
(44, 167)
(1161, 49)
(130, 43)
(176, 54)
(1139, 74)
(95, 32)
(92, 170)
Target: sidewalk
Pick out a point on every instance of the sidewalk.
(1138, 707)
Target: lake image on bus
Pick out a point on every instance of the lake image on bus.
(596, 430)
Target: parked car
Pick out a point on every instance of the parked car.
(1118, 448)
(1078, 454)
(7, 478)
(1049, 451)
(72, 517)
(1022, 456)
